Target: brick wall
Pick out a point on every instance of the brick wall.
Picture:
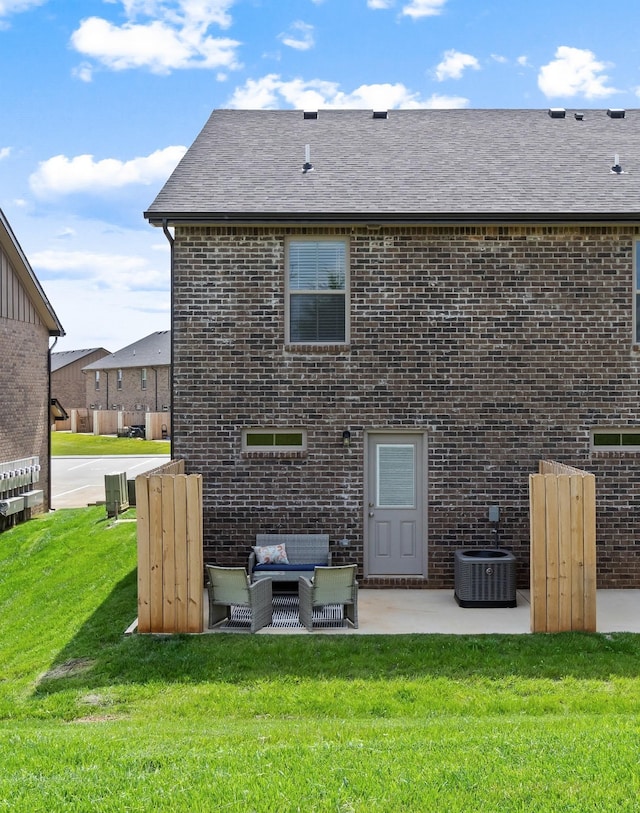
(503, 345)
(24, 415)
(131, 396)
(69, 383)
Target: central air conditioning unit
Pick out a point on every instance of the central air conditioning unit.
(485, 577)
(11, 505)
(116, 493)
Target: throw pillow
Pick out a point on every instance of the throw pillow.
(272, 555)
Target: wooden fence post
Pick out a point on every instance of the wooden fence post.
(563, 549)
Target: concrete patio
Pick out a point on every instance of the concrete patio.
(402, 612)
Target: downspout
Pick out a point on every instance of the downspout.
(155, 378)
(169, 236)
(55, 342)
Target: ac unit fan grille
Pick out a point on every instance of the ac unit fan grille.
(485, 578)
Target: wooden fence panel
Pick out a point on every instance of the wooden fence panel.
(157, 425)
(105, 422)
(538, 565)
(590, 560)
(563, 549)
(170, 558)
(168, 554)
(144, 565)
(182, 570)
(195, 559)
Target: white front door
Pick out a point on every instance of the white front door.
(395, 523)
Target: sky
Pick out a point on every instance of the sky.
(101, 98)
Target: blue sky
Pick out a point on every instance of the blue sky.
(100, 99)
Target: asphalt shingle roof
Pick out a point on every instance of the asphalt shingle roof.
(65, 357)
(414, 164)
(152, 351)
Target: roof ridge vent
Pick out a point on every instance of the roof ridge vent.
(310, 114)
(380, 114)
(557, 112)
(616, 112)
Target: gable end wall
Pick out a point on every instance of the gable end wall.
(503, 345)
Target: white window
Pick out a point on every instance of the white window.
(317, 292)
(274, 440)
(119, 379)
(97, 380)
(615, 440)
(143, 378)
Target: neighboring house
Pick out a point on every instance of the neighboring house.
(382, 322)
(135, 378)
(68, 382)
(27, 323)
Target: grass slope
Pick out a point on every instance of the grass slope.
(73, 444)
(93, 720)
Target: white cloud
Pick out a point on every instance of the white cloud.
(61, 175)
(95, 316)
(271, 92)
(423, 8)
(66, 233)
(121, 272)
(299, 36)
(574, 72)
(414, 8)
(438, 101)
(83, 72)
(454, 64)
(189, 12)
(5, 152)
(523, 61)
(8, 7)
(158, 37)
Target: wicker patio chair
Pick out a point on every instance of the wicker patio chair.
(330, 585)
(230, 586)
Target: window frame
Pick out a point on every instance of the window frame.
(143, 378)
(345, 292)
(96, 380)
(271, 449)
(119, 379)
(615, 430)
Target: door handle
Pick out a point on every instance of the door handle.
(371, 514)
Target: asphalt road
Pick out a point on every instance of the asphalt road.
(79, 481)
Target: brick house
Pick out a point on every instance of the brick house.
(134, 379)
(381, 322)
(68, 382)
(27, 323)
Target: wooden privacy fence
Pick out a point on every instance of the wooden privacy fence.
(170, 558)
(563, 549)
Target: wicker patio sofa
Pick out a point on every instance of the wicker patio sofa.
(303, 553)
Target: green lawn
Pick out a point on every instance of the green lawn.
(73, 444)
(91, 720)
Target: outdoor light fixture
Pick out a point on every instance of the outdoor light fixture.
(346, 438)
